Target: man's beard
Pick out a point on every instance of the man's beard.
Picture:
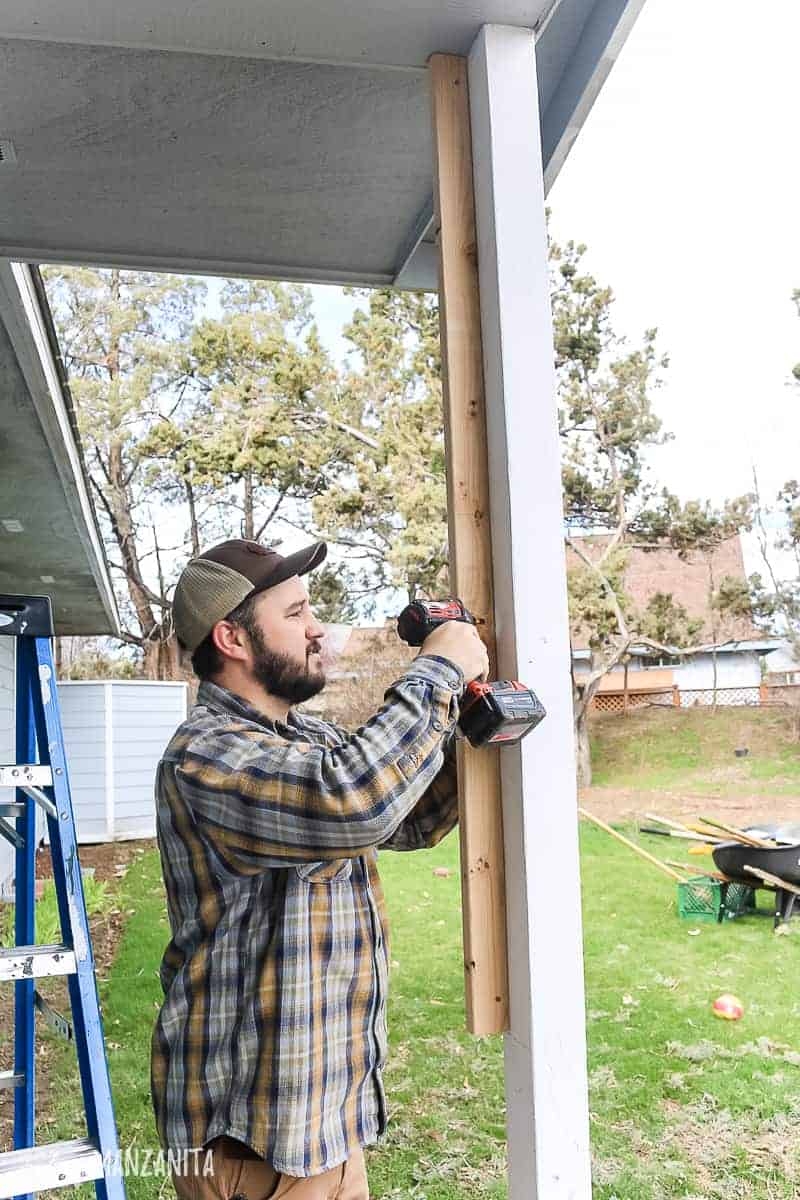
(283, 676)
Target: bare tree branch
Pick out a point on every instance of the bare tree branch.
(272, 513)
(324, 418)
(763, 539)
(130, 639)
(607, 588)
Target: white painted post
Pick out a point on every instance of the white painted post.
(545, 1050)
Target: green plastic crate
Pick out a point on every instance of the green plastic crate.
(706, 899)
(700, 899)
(737, 900)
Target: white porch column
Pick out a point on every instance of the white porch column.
(545, 1050)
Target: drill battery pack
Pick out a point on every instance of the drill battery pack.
(499, 713)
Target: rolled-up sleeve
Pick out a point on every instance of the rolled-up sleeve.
(262, 800)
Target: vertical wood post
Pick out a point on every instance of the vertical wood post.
(481, 820)
(545, 1049)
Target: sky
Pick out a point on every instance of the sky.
(684, 183)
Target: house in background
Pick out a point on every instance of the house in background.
(731, 649)
(784, 665)
(362, 662)
(49, 540)
(729, 654)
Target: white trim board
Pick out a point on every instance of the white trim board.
(545, 1050)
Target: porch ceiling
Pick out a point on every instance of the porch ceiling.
(289, 139)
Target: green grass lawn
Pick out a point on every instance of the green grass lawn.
(682, 1104)
(693, 749)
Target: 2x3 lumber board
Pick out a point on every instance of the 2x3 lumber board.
(481, 814)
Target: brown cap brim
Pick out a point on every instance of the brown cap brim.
(299, 563)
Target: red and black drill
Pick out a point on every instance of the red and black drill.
(492, 714)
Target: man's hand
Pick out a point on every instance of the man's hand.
(461, 644)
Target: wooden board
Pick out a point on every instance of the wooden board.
(481, 818)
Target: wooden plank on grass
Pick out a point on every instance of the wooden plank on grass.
(651, 858)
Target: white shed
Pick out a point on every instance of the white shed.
(114, 734)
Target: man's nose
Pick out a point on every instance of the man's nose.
(315, 631)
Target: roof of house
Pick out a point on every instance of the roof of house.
(686, 579)
(49, 540)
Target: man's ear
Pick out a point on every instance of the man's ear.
(231, 640)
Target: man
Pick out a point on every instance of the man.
(269, 1048)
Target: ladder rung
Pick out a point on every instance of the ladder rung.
(53, 1018)
(10, 834)
(61, 1164)
(36, 962)
(12, 810)
(43, 801)
(11, 1079)
(26, 774)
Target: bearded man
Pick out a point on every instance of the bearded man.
(268, 1051)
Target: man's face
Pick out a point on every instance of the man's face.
(286, 643)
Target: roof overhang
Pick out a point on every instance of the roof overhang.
(49, 541)
(289, 140)
(751, 646)
(747, 646)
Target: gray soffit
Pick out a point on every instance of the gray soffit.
(289, 140)
(47, 524)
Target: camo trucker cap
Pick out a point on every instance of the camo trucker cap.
(216, 582)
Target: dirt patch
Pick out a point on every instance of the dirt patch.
(763, 1047)
(110, 863)
(629, 804)
(109, 860)
(713, 1142)
(716, 1146)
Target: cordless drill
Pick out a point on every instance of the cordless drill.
(492, 714)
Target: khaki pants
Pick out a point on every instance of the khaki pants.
(239, 1172)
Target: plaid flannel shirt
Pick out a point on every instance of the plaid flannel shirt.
(273, 1027)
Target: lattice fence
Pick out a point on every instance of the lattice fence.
(744, 697)
(613, 702)
(727, 696)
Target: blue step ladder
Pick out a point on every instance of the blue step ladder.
(39, 779)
